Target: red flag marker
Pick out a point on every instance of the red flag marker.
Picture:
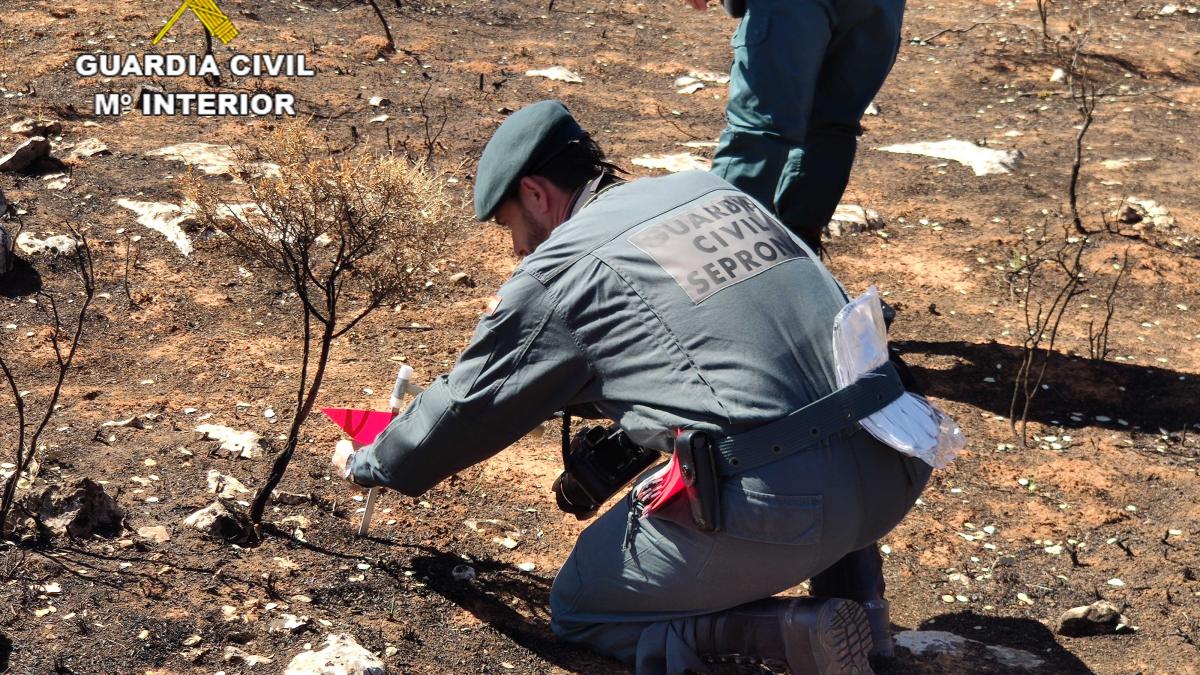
(362, 426)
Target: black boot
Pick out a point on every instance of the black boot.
(808, 636)
(859, 577)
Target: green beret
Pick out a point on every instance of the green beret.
(528, 139)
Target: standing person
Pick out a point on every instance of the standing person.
(804, 72)
(682, 311)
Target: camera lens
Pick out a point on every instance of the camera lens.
(572, 498)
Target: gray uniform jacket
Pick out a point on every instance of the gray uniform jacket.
(664, 303)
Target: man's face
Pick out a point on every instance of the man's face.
(527, 230)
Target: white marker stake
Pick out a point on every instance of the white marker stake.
(398, 391)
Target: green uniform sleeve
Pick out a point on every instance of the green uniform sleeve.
(521, 366)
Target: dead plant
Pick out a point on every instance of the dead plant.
(1046, 275)
(64, 342)
(1098, 337)
(347, 232)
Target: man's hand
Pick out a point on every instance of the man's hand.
(698, 5)
(342, 452)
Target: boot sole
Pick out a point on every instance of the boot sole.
(844, 637)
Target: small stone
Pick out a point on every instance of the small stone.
(191, 640)
(219, 521)
(851, 219)
(288, 623)
(1024, 599)
(1116, 583)
(463, 573)
(341, 655)
(556, 73)
(462, 279)
(26, 154)
(1058, 75)
(32, 127)
(379, 102)
(527, 567)
(79, 511)
(236, 655)
(148, 89)
(379, 120)
(290, 498)
(224, 486)
(90, 148)
(155, 533)
(1098, 618)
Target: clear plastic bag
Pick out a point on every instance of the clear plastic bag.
(910, 424)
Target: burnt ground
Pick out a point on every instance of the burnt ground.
(1106, 490)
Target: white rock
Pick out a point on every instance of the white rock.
(709, 76)
(240, 443)
(1168, 10)
(32, 127)
(90, 148)
(56, 181)
(166, 219)
(937, 642)
(852, 219)
(155, 533)
(379, 102)
(25, 154)
(681, 161)
(341, 656)
(217, 521)
(527, 567)
(287, 623)
(236, 655)
(1058, 75)
(224, 486)
(58, 244)
(556, 73)
(1139, 212)
(983, 161)
(211, 158)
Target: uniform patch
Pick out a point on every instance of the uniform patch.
(717, 243)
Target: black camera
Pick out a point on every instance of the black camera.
(598, 462)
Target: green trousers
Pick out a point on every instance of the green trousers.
(804, 71)
(631, 588)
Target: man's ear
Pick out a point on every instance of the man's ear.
(534, 195)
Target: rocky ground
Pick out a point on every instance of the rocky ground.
(1101, 506)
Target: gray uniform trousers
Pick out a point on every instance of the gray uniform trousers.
(632, 590)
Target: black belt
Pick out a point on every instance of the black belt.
(805, 428)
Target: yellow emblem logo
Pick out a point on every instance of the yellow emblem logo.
(209, 14)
